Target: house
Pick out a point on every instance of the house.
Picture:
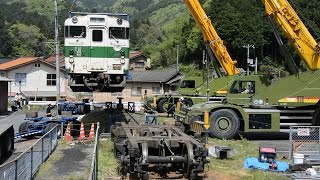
(139, 61)
(34, 77)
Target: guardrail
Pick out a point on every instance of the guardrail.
(26, 165)
(94, 163)
(138, 105)
(41, 103)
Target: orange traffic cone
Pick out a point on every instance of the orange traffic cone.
(91, 135)
(82, 135)
(67, 135)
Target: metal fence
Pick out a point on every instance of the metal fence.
(305, 140)
(94, 163)
(28, 163)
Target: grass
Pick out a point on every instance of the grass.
(234, 167)
(108, 166)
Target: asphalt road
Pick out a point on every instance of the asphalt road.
(16, 118)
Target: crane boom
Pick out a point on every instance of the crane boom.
(211, 37)
(298, 34)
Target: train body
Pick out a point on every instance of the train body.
(96, 50)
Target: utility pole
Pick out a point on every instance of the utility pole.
(177, 58)
(56, 41)
(249, 61)
(205, 63)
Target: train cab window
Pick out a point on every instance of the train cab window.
(75, 31)
(97, 35)
(243, 87)
(119, 33)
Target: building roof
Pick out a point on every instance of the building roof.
(17, 63)
(52, 60)
(162, 76)
(25, 61)
(135, 54)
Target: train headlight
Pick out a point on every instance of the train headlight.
(119, 21)
(122, 53)
(71, 60)
(74, 19)
(122, 61)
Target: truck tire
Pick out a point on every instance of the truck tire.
(163, 105)
(60, 108)
(81, 109)
(224, 124)
(86, 109)
(23, 127)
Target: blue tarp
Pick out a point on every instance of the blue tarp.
(253, 163)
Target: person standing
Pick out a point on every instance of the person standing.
(48, 110)
(16, 97)
(17, 100)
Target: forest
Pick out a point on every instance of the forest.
(157, 28)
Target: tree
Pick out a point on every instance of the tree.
(5, 45)
(27, 40)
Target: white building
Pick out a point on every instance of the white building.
(34, 77)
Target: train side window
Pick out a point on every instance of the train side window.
(75, 31)
(97, 35)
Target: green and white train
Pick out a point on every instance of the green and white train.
(96, 50)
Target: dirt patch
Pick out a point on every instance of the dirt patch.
(218, 175)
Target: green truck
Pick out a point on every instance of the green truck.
(194, 91)
(258, 104)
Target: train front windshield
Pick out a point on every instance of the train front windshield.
(119, 33)
(75, 31)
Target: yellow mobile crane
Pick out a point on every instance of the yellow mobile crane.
(267, 106)
(297, 33)
(211, 37)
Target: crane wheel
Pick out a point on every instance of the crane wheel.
(224, 124)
